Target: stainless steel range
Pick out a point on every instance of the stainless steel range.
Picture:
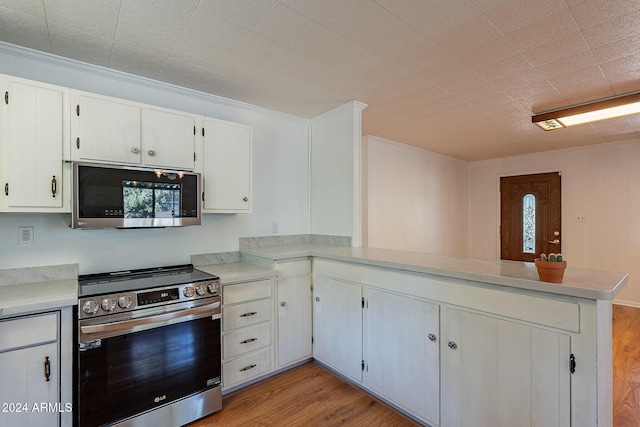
(148, 347)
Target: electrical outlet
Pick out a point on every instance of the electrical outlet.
(25, 235)
(275, 227)
(581, 218)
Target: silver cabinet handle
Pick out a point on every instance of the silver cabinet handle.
(452, 345)
(151, 153)
(282, 303)
(245, 199)
(246, 368)
(432, 337)
(317, 299)
(249, 341)
(251, 313)
(135, 150)
(54, 186)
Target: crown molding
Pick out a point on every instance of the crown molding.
(124, 77)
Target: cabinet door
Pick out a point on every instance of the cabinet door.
(168, 139)
(227, 164)
(503, 374)
(24, 387)
(337, 325)
(294, 319)
(106, 130)
(35, 142)
(402, 356)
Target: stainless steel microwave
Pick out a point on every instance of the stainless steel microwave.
(113, 196)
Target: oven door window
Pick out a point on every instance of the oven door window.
(129, 374)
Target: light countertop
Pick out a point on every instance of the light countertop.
(235, 272)
(26, 290)
(582, 283)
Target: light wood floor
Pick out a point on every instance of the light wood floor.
(311, 395)
(308, 395)
(626, 366)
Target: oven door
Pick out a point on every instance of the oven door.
(138, 370)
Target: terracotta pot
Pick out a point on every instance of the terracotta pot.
(552, 272)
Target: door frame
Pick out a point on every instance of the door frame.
(499, 175)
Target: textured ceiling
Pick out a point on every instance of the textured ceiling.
(457, 77)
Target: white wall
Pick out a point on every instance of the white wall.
(416, 200)
(335, 172)
(280, 178)
(601, 182)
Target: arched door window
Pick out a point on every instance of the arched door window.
(529, 224)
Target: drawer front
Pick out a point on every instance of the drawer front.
(233, 294)
(246, 340)
(293, 268)
(27, 331)
(239, 315)
(244, 368)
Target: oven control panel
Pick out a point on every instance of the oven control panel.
(101, 305)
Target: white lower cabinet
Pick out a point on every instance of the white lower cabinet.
(502, 373)
(337, 325)
(30, 362)
(402, 352)
(294, 311)
(449, 354)
(247, 331)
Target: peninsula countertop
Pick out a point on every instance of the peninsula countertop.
(578, 282)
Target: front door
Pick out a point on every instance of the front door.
(530, 213)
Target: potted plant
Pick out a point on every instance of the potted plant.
(551, 268)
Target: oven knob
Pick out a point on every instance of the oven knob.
(108, 304)
(213, 288)
(91, 307)
(187, 292)
(124, 301)
(200, 290)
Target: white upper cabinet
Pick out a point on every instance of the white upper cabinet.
(34, 123)
(168, 139)
(113, 130)
(226, 167)
(105, 129)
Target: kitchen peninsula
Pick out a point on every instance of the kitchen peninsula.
(451, 340)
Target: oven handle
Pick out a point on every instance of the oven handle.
(155, 320)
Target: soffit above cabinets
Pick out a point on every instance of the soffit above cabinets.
(460, 77)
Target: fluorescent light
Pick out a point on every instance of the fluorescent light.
(589, 112)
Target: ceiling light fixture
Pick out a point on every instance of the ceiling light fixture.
(589, 112)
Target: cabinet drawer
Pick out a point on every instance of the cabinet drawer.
(293, 268)
(232, 294)
(237, 316)
(27, 331)
(244, 368)
(246, 340)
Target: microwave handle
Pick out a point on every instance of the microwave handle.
(157, 320)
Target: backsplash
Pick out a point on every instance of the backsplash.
(12, 276)
(297, 239)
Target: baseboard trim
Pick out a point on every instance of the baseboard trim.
(627, 303)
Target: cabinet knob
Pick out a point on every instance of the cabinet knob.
(245, 199)
(135, 150)
(452, 345)
(151, 153)
(432, 337)
(283, 303)
(317, 299)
